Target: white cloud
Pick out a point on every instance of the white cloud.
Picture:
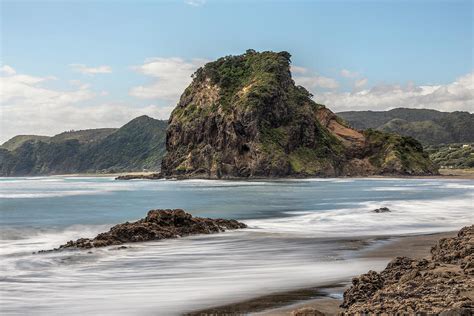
(27, 107)
(83, 69)
(7, 70)
(195, 3)
(455, 96)
(171, 77)
(304, 77)
(313, 82)
(298, 70)
(360, 83)
(349, 74)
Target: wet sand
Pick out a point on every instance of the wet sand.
(328, 298)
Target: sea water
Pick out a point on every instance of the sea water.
(302, 233)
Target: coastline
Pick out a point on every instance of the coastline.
(328, 298)
(467, 174)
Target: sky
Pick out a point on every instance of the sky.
(70, 65)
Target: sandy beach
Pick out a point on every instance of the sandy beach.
(327, 299)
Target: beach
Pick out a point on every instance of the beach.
(325, 298)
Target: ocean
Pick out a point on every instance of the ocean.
(301, 233)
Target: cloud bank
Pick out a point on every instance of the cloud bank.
(27, 107)
(455, 96)
(170, 77)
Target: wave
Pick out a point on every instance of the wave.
(406, 217)
(48, 194)
(169, 276)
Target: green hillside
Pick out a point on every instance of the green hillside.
(457, 156)
(138, 145)
(15, 142)
(430, 127)
(83, 136)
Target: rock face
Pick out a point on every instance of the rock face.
(443, 285)
(158, 224)
(243, 116)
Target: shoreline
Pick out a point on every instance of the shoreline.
(327, 298)
(462, 174)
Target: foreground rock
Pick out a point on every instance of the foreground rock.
(441, 285)
(244, 117)
(158, 224)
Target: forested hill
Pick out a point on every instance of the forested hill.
(430, 127)
(138, 145)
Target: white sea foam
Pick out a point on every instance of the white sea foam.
(167, 277)
(48, 194)
(406, 217)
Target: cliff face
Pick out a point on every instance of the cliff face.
(243, 116)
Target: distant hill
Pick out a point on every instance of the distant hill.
(430, 127)
(84, 136)
(138, 145)
(15, 142)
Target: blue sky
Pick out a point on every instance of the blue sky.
(350, 54)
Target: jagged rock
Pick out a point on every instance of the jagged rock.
(243, 116)
(382, 210)
(457, 250)
(158, 224)
(443, 284)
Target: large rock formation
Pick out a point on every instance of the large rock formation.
(158, 224)
(243, 116)
(443, 285)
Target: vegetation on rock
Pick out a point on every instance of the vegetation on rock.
(243, 116)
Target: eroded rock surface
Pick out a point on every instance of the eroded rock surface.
(443, 284)
(158, 224)
(243, 116)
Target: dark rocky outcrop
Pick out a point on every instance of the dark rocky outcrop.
(243, 116)
(382, 210)
(441, 285)
(158, 224)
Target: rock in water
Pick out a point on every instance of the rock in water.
(243, 116)
(382, 210)
(158, 224)
(443, 285)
